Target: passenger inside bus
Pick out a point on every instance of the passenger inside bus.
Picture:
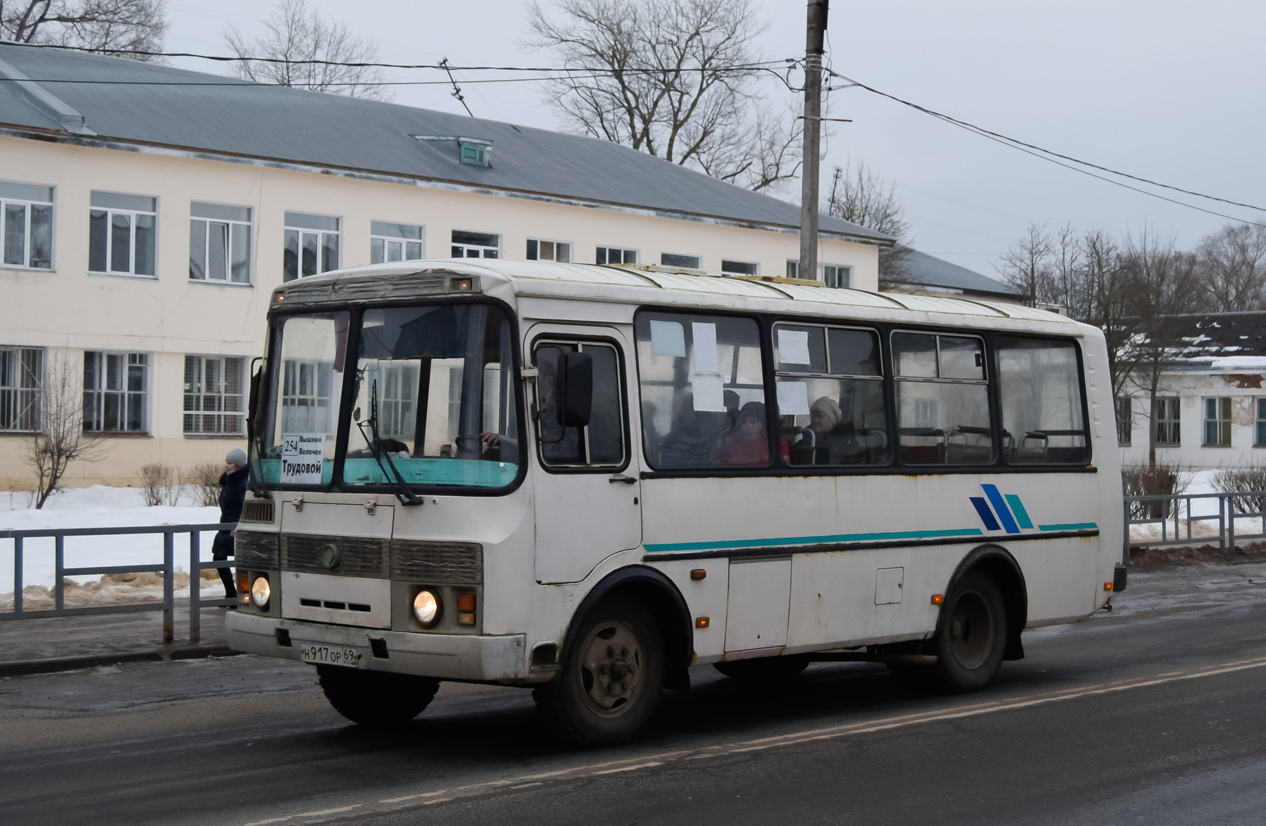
(748, 443)
(693, 437)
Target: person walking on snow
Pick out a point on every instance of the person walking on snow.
(232, 495)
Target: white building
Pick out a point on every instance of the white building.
(148, 212)
(1211, 408)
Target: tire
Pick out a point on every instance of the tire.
(610, 678)
(764, 668)
(376, 698)
(972, 636)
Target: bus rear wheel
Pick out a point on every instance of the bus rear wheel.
(972, 636)
(376, 698)
(610, 681)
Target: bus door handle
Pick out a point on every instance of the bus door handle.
(621, 479)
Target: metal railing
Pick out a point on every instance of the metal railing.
(167, 568)
(1176, 516)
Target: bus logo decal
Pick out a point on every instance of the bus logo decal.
(1009, 509)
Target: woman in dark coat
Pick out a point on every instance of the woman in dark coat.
(232, 495)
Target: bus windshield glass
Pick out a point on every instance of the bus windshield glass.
(434, 398)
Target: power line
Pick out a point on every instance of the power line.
(1051, 156)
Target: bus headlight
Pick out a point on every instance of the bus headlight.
(260, 592)
(426, 607)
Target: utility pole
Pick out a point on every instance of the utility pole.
(812, 139)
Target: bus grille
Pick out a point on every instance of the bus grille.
(258, 510)
(256, 550)
(441, 563)
(345, 555)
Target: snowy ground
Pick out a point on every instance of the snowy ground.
(1199, 482)
(100, 507)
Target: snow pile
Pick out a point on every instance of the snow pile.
(98, 507)
(113, 589)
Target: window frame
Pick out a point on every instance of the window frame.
(1259, 432)
(29, 205)
(563, 338)
(11, 395)
(99, 392)
(249, 224)
(988, 350)
(1222, 408)
(321, 235)
(698, 259)
(755, 265)
(793, 267)
(132, 214)
(1124, 439)
(241, 395)
(534, 250)
(1156, 421)
(466, 247)
(602, 255)
(388, 241)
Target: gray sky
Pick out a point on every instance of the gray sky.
(1163, 90)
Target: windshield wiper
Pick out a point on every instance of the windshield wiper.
(402, 490)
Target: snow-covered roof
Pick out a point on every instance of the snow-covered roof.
(1223, 342)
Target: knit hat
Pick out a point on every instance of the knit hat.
(236, 456)
(828, 408)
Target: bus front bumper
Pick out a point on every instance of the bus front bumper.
(443, 656)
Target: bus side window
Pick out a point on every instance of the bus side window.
(942, 392)
(601, 443)
(1043, 407)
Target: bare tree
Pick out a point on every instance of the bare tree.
(1104, 284)
(308, 52)
(1160, 283)
(861, 197)
(1065, 286)
(1233, 268)
(1026, 264)
(671, 78)
(61, 440)
(101, 25)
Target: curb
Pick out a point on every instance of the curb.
(56, 664)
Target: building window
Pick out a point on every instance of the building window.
(115, 390)
(615, 255)
(122, 234)
(312, 245)
(220, 243)
(26, 225)
(475, 153)
(1217, 422)
(548, 251)
(476, 245)
(21, 372)
(1261, 423)
(394, 242)
(1166, 415)
(1125, 420)
(837, 276)
(687, 262)
(739, 268)
(214, 400)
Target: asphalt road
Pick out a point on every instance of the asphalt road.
(1155, 713)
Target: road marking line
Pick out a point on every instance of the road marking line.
(826, 733)
(321, 813)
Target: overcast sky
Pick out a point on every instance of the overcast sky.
(1163, 90)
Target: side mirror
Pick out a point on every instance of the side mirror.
(257, 373)
(575, 389)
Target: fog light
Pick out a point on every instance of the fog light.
(260, 592)
(426, 607)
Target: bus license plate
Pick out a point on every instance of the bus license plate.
(328, 655)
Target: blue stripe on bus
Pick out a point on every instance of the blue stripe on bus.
(1072, 526)
(986, 515)
(1000, 506)
(808, 540)
(1021, 515)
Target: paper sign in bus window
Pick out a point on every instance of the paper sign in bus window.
(709, 394)
(793, 398)
(301, 457)
(668, 338)
(793, 347)
(705, 339)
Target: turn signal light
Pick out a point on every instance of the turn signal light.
(465, 609)
(938, 599)
(701, 622)
(243, 584)
(698, 573)
(1107, 586)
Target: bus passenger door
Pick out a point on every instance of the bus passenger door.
(587, 486)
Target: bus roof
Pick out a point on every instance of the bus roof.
(641, 284)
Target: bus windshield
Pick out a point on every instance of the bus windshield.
(432, 397)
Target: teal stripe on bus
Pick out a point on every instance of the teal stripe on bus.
(1021, 515)
(1074, 526)
(808, 540)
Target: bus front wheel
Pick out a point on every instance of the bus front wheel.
(376, 698)
(611, 679)
(972, 636)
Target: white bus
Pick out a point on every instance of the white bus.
(586, 479)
